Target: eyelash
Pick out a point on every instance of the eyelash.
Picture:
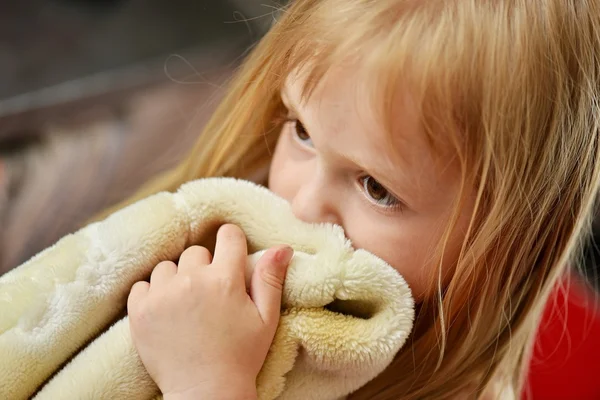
(361, 182)
(295, 122)
(395, 205)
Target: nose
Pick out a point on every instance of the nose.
(316, 201)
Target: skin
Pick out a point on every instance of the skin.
(333, 163)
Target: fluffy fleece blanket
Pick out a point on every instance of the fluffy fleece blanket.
(64, 333)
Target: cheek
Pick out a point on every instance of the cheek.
(412, 259)
(405, 245)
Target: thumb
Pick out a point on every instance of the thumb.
(267, 283)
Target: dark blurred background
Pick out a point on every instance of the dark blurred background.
(96, 96)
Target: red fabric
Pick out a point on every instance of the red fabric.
(566, 362)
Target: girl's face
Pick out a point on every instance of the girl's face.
(390, 191)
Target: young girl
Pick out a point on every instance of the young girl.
(456, 139)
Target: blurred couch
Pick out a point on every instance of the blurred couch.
(98, 96)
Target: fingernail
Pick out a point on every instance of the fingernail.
(285, 255)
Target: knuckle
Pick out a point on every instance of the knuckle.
(271, 279)
(183, 285)
(140, 314)
(226, 284)
(186, 284)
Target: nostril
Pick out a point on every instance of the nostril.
(362, 309)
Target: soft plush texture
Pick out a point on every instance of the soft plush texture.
(64, 333)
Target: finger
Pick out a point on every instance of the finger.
(267, 283)
(138, 291)
(231, 250)
(192, 258)
(162, 273)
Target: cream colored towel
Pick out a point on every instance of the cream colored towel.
(345, 314)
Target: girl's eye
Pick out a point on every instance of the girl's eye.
(301, 134)
(377, 193)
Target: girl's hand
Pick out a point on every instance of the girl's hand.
(197, 330)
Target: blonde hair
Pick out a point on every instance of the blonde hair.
(513, 86)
